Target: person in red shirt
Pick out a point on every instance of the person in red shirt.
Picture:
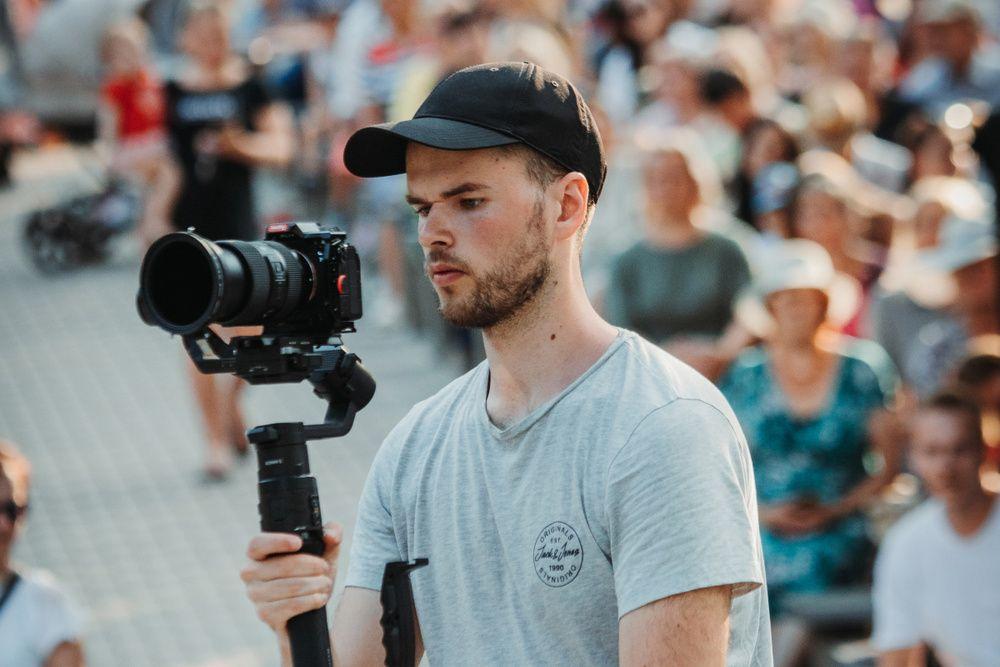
(131, 124)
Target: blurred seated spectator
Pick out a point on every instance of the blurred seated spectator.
(635, 27)
(771, 195)
(838, 116)
(964, 263)
(811, 403)
(964, 66)
(131, 120)
(724, 93)
(906, 301)
(979, 378)
(938, 570)
(38, 625)
(764, 142)
(678, 285)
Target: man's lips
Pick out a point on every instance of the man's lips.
(444, 274)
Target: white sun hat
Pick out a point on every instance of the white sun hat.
(963, 242)
(797, 264)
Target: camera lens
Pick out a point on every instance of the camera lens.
(188, 282)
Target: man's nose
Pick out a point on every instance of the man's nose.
(434, 230)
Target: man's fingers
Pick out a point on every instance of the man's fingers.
(268, 544)
(333, 535)
(286, 567)
(287, 589)
(276, 614)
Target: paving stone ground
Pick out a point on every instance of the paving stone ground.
(100, 404)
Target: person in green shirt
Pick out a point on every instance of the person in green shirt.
(677, 286)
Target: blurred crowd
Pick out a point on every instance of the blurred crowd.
(800, 203)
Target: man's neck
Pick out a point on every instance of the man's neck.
(543, 350)
(968, 514)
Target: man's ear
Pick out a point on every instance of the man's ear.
(573, 192)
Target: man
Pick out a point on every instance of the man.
(963, 65)
(583, 497)
(937, 573)
(37, 624)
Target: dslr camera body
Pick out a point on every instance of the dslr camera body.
(302, 281)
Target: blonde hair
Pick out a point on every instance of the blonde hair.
(16, 469)
(690, 146)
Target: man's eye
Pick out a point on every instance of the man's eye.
(422, 211)
(470, 204)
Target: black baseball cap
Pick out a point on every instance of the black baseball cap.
(489, 105)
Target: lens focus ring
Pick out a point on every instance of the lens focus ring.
(260, 283)
(293, 274)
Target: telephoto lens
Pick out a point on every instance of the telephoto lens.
(188, 282)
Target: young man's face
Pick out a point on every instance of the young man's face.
(8, 525)
(483, 229)
(946, 454)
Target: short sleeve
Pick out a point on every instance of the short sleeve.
(896, 583)
(740, 269)
(374, 542)
(59, 620)
(681, 508)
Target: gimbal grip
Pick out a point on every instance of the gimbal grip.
(308, 632)
(310, 639)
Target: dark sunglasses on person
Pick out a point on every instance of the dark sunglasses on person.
(12, 510)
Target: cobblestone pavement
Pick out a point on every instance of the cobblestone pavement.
(100, 403)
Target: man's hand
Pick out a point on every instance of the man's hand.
(687, 629)
(796, 518)
(282, 584)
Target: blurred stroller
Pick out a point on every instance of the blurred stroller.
(78, 232)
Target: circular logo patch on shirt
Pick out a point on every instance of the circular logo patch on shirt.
(558, 554)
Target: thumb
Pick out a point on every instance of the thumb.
(333, 534)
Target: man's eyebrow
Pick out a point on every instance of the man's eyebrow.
(457, 190)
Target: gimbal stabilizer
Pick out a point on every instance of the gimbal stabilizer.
(289, 498)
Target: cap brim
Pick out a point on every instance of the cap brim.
(380, 150)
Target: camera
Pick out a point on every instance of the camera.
(301, 280)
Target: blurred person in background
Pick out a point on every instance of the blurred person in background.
(811, 403)
(677, 286)
(38, 625)
(639, 25)
(905, 301)
(771, 195)
(979, 378)
(131, 124)
(17, 126)
(838, 117)
(675, 97)
(963, 267)
(724, 93)
(938, 571)
(764, 142)
(962, 65)
(222, 125)
(821, 213)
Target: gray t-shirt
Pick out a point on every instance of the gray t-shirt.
(631, 485)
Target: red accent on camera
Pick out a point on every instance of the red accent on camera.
(341, 282)
(277, 228)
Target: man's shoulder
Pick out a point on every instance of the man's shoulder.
(655, 379)
(918, 528)
(447, 403)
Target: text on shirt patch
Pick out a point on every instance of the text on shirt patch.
(558, 554)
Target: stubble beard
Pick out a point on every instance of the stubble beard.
(502, 294)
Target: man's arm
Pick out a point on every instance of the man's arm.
(66, 654)
(911, 656)
(687, 629)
